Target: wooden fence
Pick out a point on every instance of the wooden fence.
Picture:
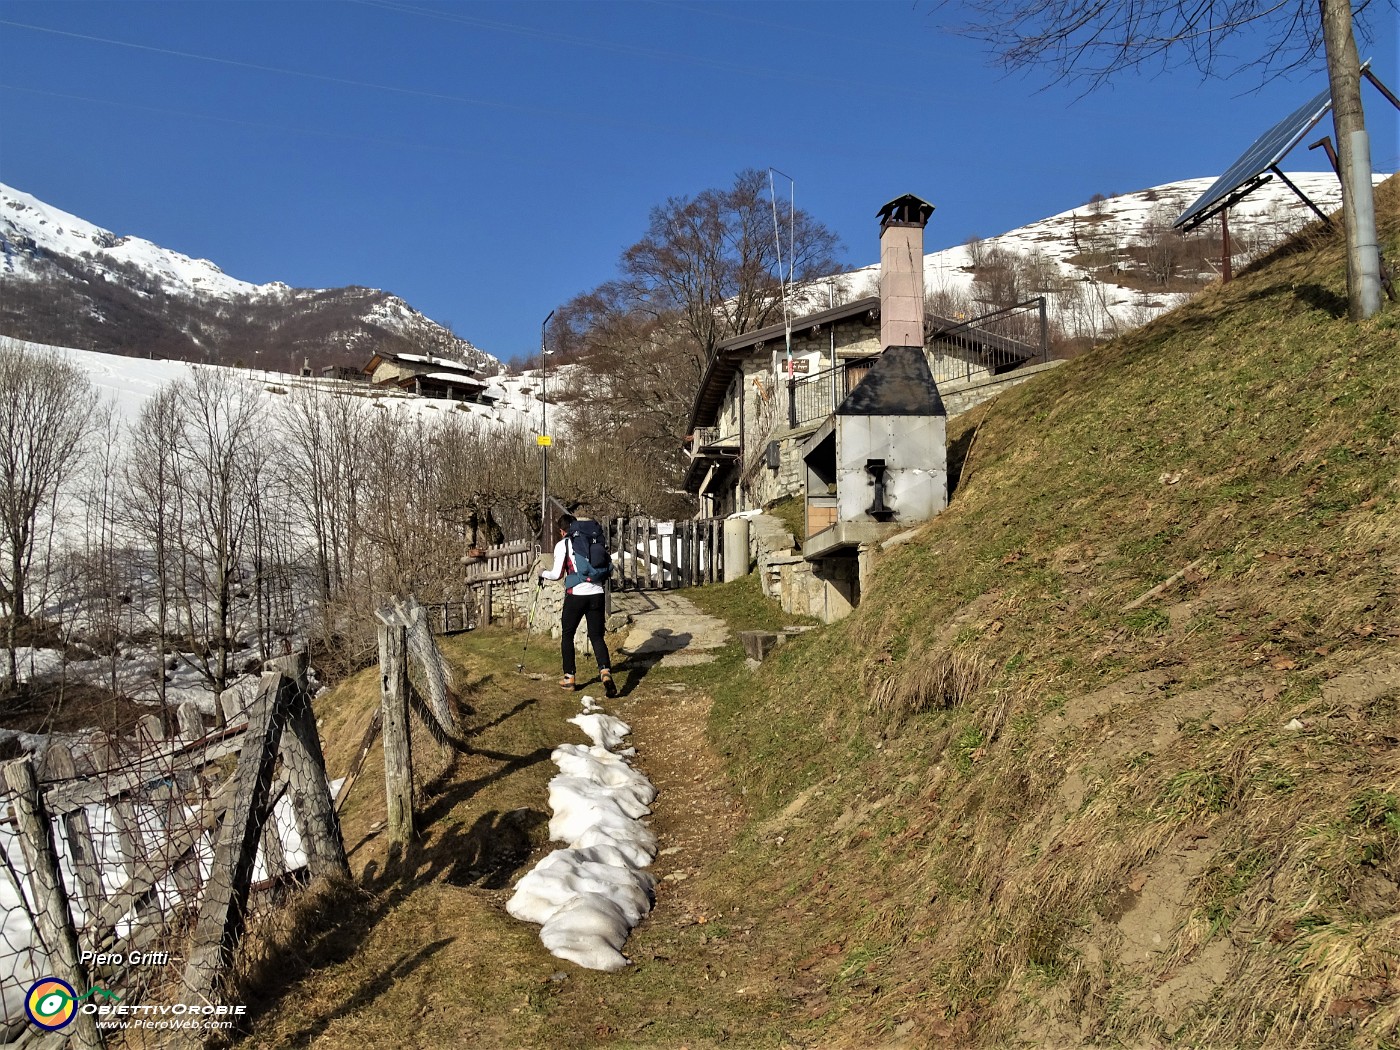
(115, 847)
(648, 554)
(491, 572)
(651, 555)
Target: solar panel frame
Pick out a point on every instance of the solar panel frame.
(1270, 148)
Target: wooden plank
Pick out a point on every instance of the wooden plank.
(150, 727)
(63, 797)
(274, 857)
(145, 873)
(366, 742)
(509, 572)
(685, 539)
(188, 718)
(54, 920)
(77, 829)
(222, 912)
(654, 563)
(398, 754)
(636, 552)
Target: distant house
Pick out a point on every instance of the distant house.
(428, 376)
(756, 403)
(345, 373)
(750, 400)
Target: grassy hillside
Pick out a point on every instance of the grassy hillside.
(1106, 756)
(1029, 793)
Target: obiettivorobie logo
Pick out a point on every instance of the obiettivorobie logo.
(52, 1003)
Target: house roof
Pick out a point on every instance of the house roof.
(730, 353)
(420, 363)
(899, 383)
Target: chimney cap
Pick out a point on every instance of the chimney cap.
(907, 210)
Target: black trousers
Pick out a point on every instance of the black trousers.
(578, 607)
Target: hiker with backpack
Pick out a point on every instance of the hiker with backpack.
(581, 557)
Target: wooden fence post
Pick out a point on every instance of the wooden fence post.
(222, 912)
(398, 755)
(51, 901)
(305, 766)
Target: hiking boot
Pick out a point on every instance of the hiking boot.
(567, 682)
(609, 686)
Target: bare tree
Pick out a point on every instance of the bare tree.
(46, 413)
(1092, 42)
(219, 461)
(713, 259)
(323, 455)
(154, 506)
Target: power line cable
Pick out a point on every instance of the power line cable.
(590, 119)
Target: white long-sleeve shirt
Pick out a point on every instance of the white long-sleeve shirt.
(564, 560)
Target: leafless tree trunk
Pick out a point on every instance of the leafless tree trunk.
(218, 462)
(153, 503)
(46, 417)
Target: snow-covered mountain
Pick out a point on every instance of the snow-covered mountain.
(68, 282)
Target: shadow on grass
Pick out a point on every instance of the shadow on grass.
(331, 925)
(368, 992)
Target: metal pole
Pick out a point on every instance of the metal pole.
(1044, 332)
(544, 433)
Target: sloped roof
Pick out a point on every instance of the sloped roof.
(899, 383)
(730, 353)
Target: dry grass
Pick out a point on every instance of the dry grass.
(939, 680)
(1113, 833)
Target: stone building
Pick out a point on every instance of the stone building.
(428, 376)
(845, 409)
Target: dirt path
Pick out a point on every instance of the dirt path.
(423, 953)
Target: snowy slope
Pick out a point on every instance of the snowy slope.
(128, 382)
(31, 230)
(1118, 225)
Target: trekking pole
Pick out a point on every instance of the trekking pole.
(529, 623)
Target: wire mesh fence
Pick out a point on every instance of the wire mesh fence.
(128, 867)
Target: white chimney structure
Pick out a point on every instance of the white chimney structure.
(902, 223)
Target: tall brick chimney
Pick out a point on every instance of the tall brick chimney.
(902, 223)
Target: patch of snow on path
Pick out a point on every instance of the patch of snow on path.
(588, 896)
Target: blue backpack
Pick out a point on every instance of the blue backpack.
(589, 547)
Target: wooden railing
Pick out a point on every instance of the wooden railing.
(651, 555)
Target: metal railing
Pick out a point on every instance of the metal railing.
(816, 396)
(991, 343)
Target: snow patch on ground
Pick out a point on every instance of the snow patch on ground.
(588, 896)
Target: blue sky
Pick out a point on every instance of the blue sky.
(487, 161)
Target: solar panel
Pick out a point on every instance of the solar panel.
(1268, 150)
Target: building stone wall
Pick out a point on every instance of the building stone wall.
(961, 397)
